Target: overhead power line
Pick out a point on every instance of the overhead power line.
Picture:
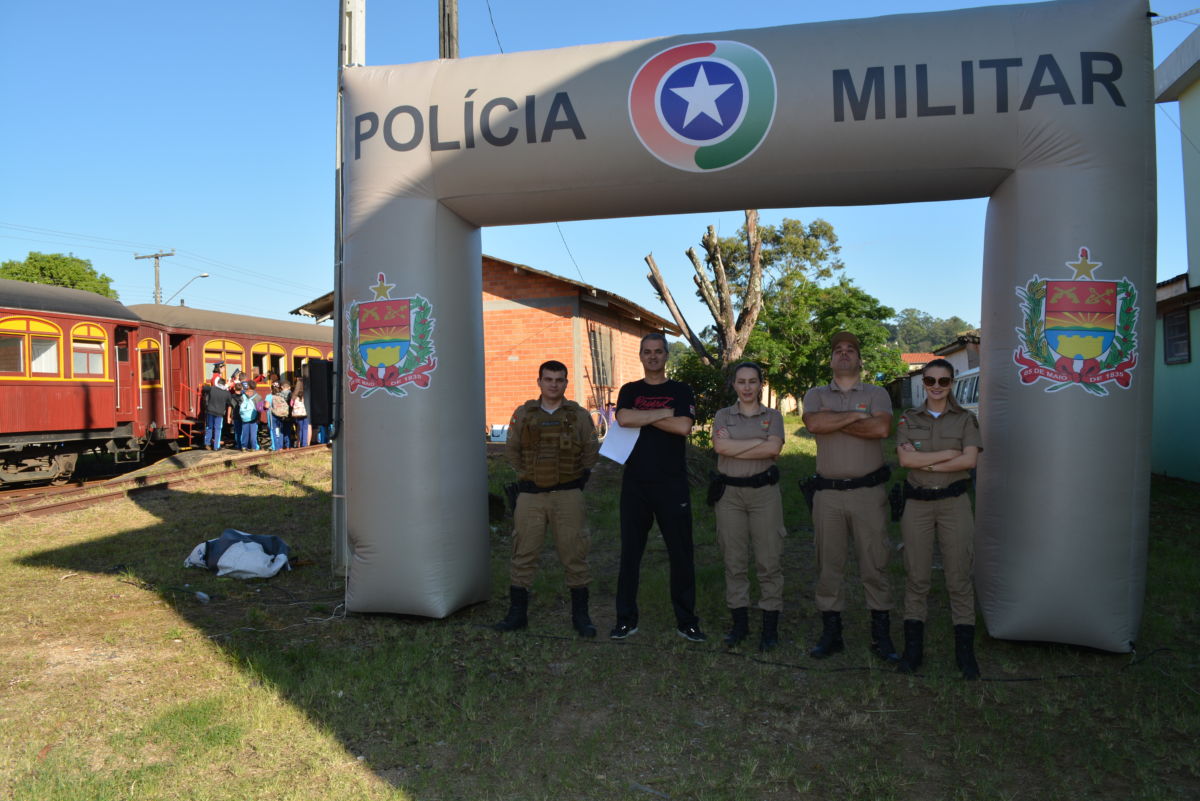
(70, 239)
(1173, 17)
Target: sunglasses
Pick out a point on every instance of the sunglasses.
(929, 380)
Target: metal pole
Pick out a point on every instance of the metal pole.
(447, 28)
(157, 283)
(352, 52)
(185, 286)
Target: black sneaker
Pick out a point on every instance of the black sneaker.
(692, 633)
(621, 631)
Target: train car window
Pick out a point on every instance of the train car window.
(88, 342)
(300, 357)
(43, 353)
(12, 354)
(87, 358)
(223, 350)
(150, 372)
(267, 358)
(43, 338)
(151, 365)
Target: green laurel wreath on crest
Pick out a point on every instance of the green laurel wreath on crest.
(1125, 341)
(420, 345)
(1033, 332)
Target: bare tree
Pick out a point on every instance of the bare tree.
(732, 321)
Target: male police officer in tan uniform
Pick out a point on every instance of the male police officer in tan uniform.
(552, 445)
(850, 420)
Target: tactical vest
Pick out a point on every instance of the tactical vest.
(550, 445)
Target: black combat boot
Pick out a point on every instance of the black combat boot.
(831, 636)
(770, 631)
(914, 647)
(580, 619)
(518, 606)
(741, 626)
(881, 636)
(964, 651)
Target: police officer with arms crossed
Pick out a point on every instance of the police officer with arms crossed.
(939, 443)
(654, 487)
(850, 420)
(552, 445)
(748, 437)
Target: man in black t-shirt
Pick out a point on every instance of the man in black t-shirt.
(654, 487)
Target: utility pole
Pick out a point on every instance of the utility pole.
(352, 52)
(157, 283)
(447, 28)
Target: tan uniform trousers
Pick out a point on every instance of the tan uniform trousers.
(752, 517)
(534, 513)
(839, 515)
(953, 523)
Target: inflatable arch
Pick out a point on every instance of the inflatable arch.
(1046, 108)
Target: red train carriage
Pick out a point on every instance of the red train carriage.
(180, 346)
(82, 372)
(66, 378)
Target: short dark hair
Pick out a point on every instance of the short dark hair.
(653, 335)
(554, 367)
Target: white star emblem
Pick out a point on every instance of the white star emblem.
(702, 97)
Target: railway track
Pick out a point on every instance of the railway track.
(53, 500)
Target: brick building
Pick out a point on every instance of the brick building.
(531, 316)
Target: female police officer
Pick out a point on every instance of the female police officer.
(939, 443)
(747, 437)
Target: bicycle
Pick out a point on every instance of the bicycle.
(600, 421)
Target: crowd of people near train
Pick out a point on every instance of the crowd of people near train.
(235, 410)
(552, 445)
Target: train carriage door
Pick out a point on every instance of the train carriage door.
(150, 372)
(126, 386)
(184, 391)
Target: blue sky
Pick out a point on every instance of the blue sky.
(208, 128)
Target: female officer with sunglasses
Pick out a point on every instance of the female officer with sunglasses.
(939, 443)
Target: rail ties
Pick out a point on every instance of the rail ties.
(53, 500)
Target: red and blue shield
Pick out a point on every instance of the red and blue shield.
(384, 331)
(1081, 318)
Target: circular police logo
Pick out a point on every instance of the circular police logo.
(704, 105)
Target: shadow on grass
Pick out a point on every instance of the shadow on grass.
(450, 709)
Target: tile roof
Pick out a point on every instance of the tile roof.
(917, 358)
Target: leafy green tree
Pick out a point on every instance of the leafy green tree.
(800, 317)
(915, 331)
(58, 269)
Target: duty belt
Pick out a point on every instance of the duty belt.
(718, 481)
(869, 480)
(530, 487)
(764, 479)
(931, 494)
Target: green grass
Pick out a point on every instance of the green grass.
(116, 683)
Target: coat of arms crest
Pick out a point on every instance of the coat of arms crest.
(1078, 331)
(390, 342)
